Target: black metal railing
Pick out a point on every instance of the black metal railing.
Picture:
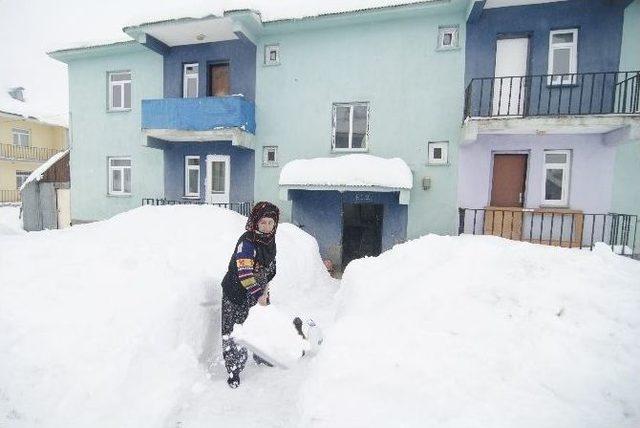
(572, 229)
(616, 92)
(243, 208)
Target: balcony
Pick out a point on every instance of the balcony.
(553, 95)
(606, 103)
(26, 153)
(199, 119)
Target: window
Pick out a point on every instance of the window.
(120, 91)
(119, 176)
(448, 37)
(192, 176)
(438, 153)
(350, 126)
(563, 56)
(270, 156)
(190, 81)
(557, 165)
(21, 177)
(21, 137)
(271, 55)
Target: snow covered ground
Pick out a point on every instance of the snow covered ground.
(117, 324)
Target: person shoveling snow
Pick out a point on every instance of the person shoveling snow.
(246, 283)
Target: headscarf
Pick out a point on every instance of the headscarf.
(260, 210)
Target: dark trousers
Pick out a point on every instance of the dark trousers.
(232, 314)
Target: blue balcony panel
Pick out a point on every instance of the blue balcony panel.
(199, 114)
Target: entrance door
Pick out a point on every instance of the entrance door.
(361, 231)
(218, 179)
(508, 92)
(64, 208)
(219, 80)
(509, 176)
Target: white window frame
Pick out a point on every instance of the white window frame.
(267, 54)
(120, 83)
(218, 197)
(24, 175)
(188, 168)
(112, 168)
(573, 58)
(566, 177)
(265, 156)
(21, 133)
(444, 146)
(454, 30)
(365, 147)
(186, 76)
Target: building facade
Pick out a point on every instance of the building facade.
(467, 94)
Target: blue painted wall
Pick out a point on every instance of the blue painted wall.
(241, 55)
(242, 168)
(319, 213)
(599, 24)
(199, 114)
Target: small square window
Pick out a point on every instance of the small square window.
(448, 37)
(270, 156)
(272, 55)
(438, 153)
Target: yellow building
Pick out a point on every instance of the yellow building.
(26, 141)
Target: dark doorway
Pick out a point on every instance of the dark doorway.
(361, 231)
(218, 80)
(509, 176)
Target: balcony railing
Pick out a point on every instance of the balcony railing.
(14, 152)
(616, 92)
(243, 208)
(571, 229)
(9, 195)
(199, 114)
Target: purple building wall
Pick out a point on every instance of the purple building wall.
(591, 175)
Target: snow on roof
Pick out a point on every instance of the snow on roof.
(28, 109)
(38, 173)
(348, 170)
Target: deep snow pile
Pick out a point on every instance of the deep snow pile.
(481, 332)
(10, 221)
(111, 324)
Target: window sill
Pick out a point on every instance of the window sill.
(124, 195)
(191, 197)
(120, 110)
(439, 164)
(349, 150)
(270, 165)
(554, 207)
(443, 49)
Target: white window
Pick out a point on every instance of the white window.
(350, 126)
(438, 153)
(448, 37)
(119, 176)
(21, 137)
(192, 176)
(21, 177)
(563, 56)
(120, 91)
(557, 170)
(272, 55)
(270, 156)
(190, 81)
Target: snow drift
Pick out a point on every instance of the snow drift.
(110, 324)
(481, 332)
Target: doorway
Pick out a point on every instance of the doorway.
(509, 180)
(218, 80)
(361, 231)
(512, 57)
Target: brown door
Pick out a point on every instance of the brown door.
(509, 174)
(219, 80)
